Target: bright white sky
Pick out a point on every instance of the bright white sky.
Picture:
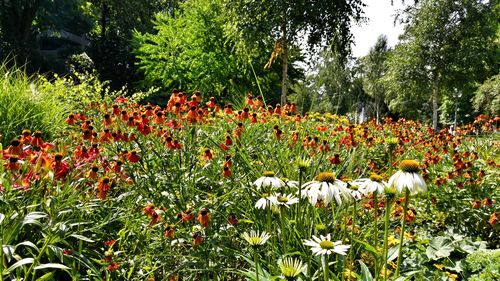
(380, 16)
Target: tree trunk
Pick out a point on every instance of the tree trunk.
(435, 105)
(104, 18)
(284, 41)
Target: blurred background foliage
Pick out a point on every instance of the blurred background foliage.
(444, 67)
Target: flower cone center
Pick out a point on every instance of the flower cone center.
(326, 177)
(409, 166)
(326, 244)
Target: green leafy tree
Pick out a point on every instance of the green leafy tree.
(373, 69)
(191, 51)
(487, 98)
(285, 22)
(446, 45)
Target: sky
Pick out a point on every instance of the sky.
(380, 16)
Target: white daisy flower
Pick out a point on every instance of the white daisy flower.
(370, 185)
(286, 200)
(291, 268)
(325, 188)
(255, 238)
(408, 177)
(269, 180)
(267, 201)
(324, 246)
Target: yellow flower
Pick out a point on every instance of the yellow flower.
(450, 275)
(439, 266)
(391, 241)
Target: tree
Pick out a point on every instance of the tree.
(487, 98)
(446, 45)
(192, 51)
(373, 69)
(287, 21)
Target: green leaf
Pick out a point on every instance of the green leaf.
(368, 247)
(439, 247)
(392, 253)
(83, 238)
(51, 265)
(46, 276)
(365, 272)
(28, 244)
(19, 264)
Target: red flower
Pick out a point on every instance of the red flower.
(121, 99)
(113, 266)
(232, 220)
(110, 242)
(133, 157)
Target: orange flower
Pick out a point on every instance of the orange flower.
(197, 239)
(493, 218)
(13, 164)
(208, 155)
(335, 160)
(37, 139)
(488, 201)
(185, 216)
(476, 204)
(204, 217)
(15, 149)
(169, 231)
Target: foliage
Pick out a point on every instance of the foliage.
(283, 23)
(446, 46)
(23, 106)
(487, 97)
(132, 191)
(373, 69)
(192, 51)
(484, 265)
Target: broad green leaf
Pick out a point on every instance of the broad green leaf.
(368, 247)
(365, 272)
(439, 247)
(392, 253)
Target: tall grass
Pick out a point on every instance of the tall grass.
(23, 106)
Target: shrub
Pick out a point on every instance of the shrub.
(23, 106)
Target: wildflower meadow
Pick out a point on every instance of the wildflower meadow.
(198, 190)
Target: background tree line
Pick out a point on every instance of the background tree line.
(444, 68)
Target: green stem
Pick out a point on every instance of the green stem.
(386, 231)
(300, 199)
(351, 250)
(282, 219)
(325, 267)
(256, 259)
(375, 224)
(403, 223)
